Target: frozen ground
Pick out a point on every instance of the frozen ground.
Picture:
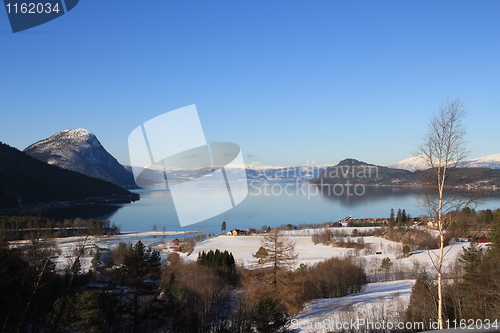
(243, 248)
(379, 303)
(68, 245)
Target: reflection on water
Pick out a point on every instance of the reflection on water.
(103, 212)
(272, 204)
(368, 194)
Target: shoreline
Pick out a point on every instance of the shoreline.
(104, 200)
(157, 233)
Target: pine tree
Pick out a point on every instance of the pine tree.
(96, 261)
(269, 317)
(471, 258)
(423, 305)
(404, 217)
(406, 251)
(139, 264)
(386, 266)
(391, 219)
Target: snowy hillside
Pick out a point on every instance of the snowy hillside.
(418, 163)
(380, 301)
(411, 164)
(79, 150)
(490, 161)
(253, 172)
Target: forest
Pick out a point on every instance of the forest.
(130, 289)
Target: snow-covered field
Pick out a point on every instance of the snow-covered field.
(243, 248)
(380, 302)
(68, 245)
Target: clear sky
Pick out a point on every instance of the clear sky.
(289, 81)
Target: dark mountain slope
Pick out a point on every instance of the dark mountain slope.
(357, 172)
(28, 181)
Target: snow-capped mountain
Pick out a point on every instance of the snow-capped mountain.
(253, 172)
(418, 163)
(268, 172)
(411, 164)
(490, 161)
(80, 150)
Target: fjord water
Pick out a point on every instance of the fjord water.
(272, 204)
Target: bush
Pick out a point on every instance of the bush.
(334, 277)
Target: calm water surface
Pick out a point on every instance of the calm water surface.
(272, 204)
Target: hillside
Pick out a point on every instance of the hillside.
(418, 163)
(26, 181)
(357, 172)
(80, 150)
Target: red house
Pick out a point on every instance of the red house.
(478, 239)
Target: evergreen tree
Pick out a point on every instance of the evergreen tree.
(386, 266)
(404, 217)
(223, 262)
(391, 219)
(471, 258)
(423, 305)
(81, 313)
(270, 317)
(139, 264)
(96, 259)
(406, 250)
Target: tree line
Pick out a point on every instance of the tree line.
(129, 289)
(471, 295)
(22, 227)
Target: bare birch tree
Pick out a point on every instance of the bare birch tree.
(443, 148)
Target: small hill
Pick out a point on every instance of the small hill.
(27, 181)
(358, 172)
(80, 150)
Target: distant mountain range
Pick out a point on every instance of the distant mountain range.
(490, 161)
(353, 171)
(26, 181)
(418, 163)
(79, 150)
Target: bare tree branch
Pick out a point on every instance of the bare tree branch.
(443, 148)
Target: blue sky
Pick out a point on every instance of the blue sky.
(289, 81)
